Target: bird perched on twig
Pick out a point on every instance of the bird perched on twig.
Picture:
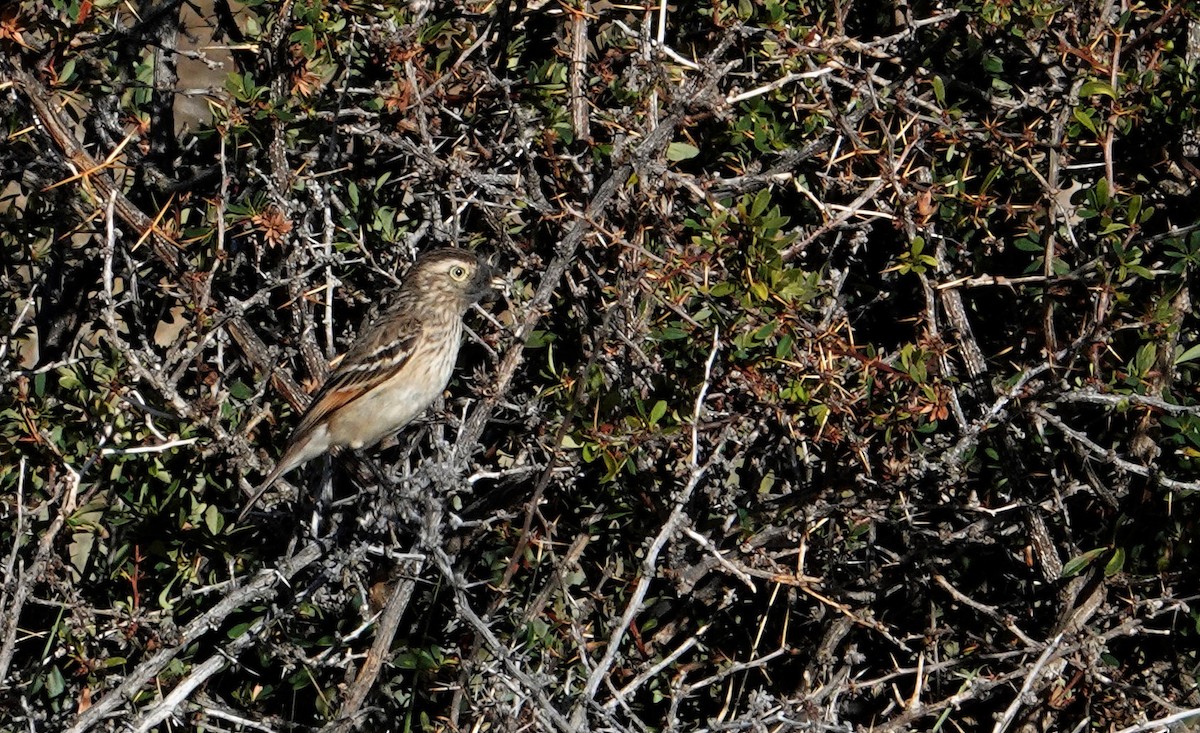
(398, 365)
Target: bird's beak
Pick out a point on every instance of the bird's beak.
(495, 283)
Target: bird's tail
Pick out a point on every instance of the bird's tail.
(305, 445)
(281, 468)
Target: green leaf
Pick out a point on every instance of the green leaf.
(681, 151)
(784, 348)
(1116, 563)
(1144, 359)
(939, 91)
(164, 595)
(1189, 355)
(66, 72)
(1094, 87)
(1084, 118)
(80, 549)
(538, 339)
(1079, 563)
(761, 202)
(1135, 207)
(570, 442)
(768, 481)
(657, 412)
(239, 390)
(55, 684)
(213, 520)
(68, 380)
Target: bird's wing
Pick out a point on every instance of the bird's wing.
(377, 355)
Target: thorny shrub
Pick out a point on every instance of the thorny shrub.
(846, 379)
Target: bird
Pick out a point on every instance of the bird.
(397, 366)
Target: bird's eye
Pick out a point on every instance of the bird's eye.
(458, 273)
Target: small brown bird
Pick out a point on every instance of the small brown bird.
(400, 363)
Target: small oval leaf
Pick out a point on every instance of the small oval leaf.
(657, 412)
(681, 151)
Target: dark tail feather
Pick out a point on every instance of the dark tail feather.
(280, 468)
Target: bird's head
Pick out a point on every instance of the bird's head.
(454, 275)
